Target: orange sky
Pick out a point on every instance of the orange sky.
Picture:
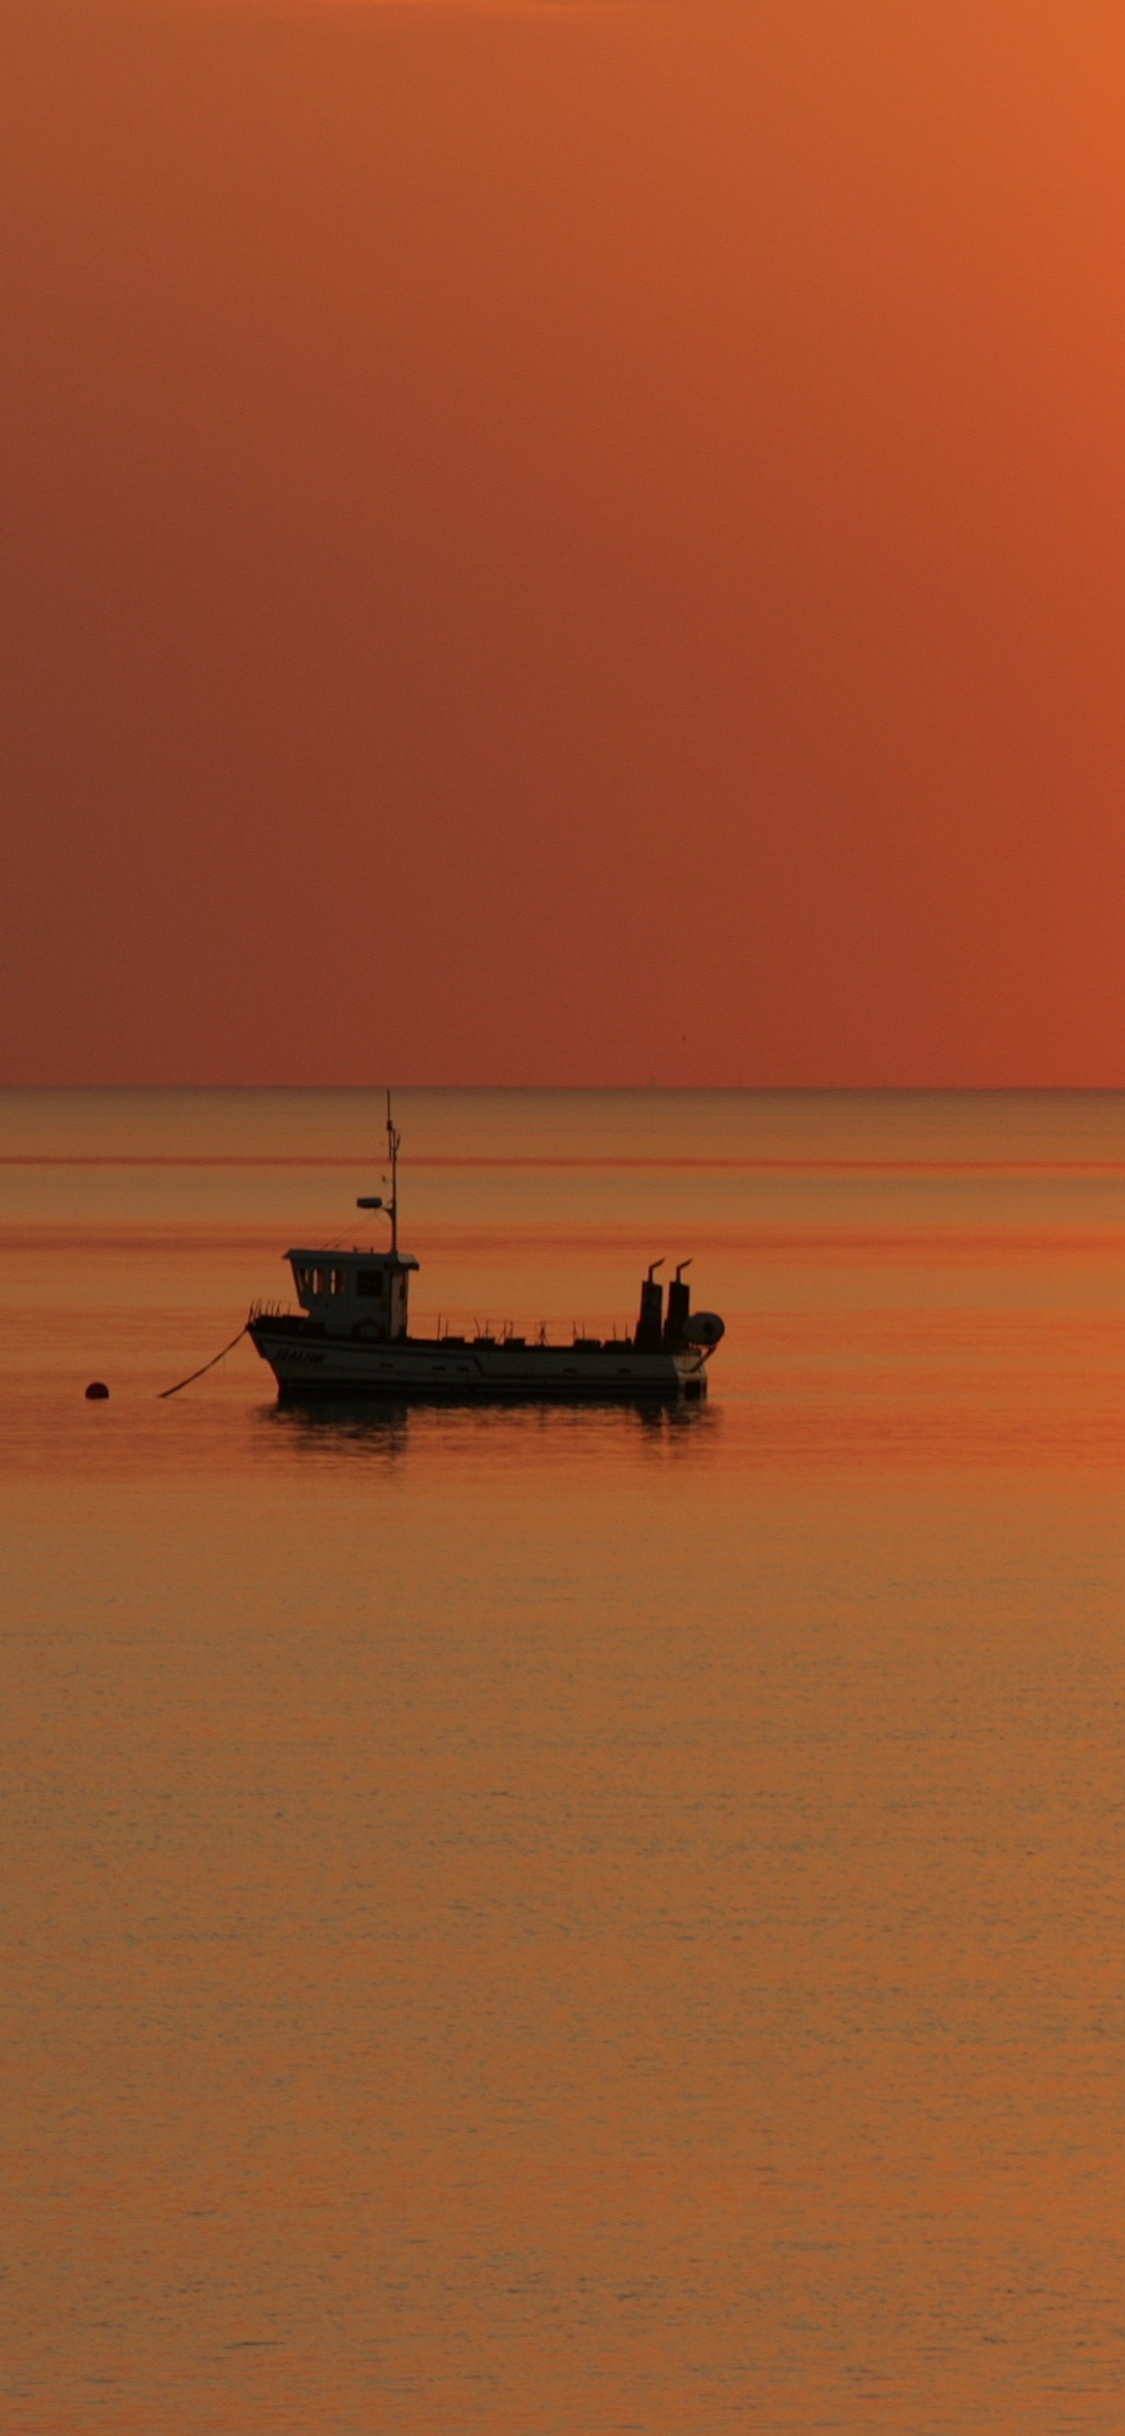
(563, 543)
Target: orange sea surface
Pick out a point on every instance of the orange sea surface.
(542, 1922)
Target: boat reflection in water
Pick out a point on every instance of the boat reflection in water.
(329, 1425)
(351, 1338)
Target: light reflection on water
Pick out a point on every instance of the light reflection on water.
(555, 1920)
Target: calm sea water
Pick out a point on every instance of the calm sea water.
(564, 1922)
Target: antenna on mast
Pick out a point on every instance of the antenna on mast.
(393, 1139)
(375, 1201)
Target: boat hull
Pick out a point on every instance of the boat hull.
(308, 1364)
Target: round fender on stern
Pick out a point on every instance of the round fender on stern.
(705, 1329)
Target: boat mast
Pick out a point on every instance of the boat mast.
(392, 1147)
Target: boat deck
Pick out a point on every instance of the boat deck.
(307, 1359)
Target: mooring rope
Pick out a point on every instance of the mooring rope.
(198, 1374)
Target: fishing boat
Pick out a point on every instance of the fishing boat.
(351, 1336)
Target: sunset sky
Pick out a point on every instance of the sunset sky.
(563, 543)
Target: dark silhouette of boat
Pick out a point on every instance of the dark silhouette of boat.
(351, 1337)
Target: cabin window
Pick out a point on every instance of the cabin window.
(369, 1281)
(303, 1280)
(318, 1281)
(339, 1281)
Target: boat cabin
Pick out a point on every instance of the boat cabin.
(354, 1293)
